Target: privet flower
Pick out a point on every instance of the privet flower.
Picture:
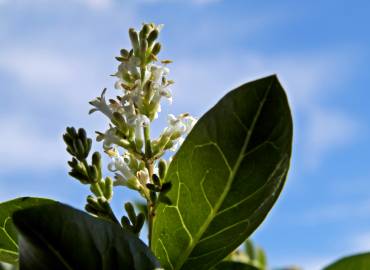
(142, 83)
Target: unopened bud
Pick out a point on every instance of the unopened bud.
(156, 48)
(124, 53)
(152, 37)
(134, 40)
(108, 188)
(162, 168)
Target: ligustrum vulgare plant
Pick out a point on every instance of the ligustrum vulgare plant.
(199, 205)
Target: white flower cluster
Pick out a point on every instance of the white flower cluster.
(143, 82)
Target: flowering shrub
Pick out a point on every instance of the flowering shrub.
(200, 205)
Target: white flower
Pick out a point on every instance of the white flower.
(143, 176)
(110, 138)
(181, 124)
(120, 163)
(100, 104)
(158, 72)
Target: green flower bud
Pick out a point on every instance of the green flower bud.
(144, 31)
(140, 219)
(126, 224)
(152, 37)
(162, 168)
(130, 212)
(72, 132)
(79, 176)
(156, 180)
(134, 41)
(166, 187)
(93, 174)
(82, 134)
(108, 188)
(156, 48)
(79, 149)
(124, 53)
(133, 183)
(94, 189)
(68, 139)
(143, 49)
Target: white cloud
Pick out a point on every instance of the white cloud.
(308, 78)
(36, 66)
(334, 213)
(23, 145)
(328, 130)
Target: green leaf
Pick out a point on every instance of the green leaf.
(8, 233)
(59, 237)
(226, 177)
(234, 266)
(357, 262)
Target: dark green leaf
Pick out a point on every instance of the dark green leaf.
(234, 266)
(59, 237)
(226, 177)
(355, 262)
(8, 233)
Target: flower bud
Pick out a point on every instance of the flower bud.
(108, 188)
(162, 168)
(156, 48)
(130, 212)
(134, 40)
(152, 37)
(144, 31)
(124, 53)
(133, 183)
(140, 219)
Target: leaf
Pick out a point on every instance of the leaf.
(357, 262)
(234, 266)
(8, 233)
(226, 177)
(59, 237)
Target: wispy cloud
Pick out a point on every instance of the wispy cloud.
(24, 146)
(201, 84)
(338, 212)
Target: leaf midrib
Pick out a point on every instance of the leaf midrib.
(213, 213)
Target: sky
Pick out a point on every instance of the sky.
(55, 56)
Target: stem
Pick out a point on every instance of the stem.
(148, 145)
(150, 167)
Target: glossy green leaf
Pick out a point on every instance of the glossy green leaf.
(8, 233)
(59, 237)
(226, 177)
(355, 262)
(234, 266)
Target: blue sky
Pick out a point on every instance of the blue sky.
(55, 56)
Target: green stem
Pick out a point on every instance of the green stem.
(150, 167)
(148, 146)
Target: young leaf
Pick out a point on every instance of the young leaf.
(357, 262)
(8, 233)
(59, 237)
(226, 177)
